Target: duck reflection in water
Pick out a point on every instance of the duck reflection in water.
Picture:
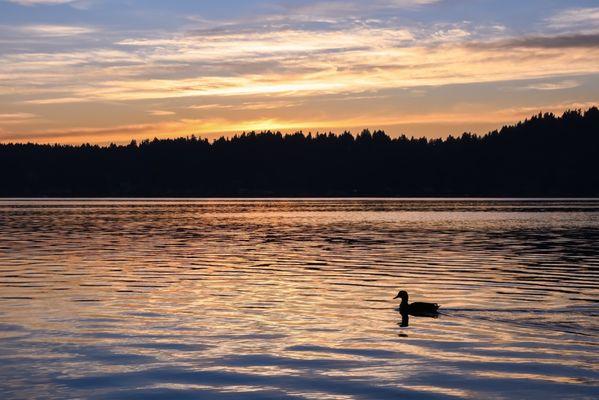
(418, 309)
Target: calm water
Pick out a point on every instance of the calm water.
(292, 299)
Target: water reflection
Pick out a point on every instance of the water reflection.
(405, 317)
(290, 299)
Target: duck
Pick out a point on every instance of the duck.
(416, 309)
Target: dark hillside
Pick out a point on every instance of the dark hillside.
(547, 156)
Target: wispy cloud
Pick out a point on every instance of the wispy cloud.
(50, 135)
(16, 118)
(568, 84)
(542, 42)
(562, 41)
(161, 113)
(332, 10)
(55, 30)
(248, 105)
(44, 2)
(292, 62)
(55, 100)
(579, 19)
(448, 35)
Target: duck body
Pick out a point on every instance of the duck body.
(417, 308)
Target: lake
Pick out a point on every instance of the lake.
(293, 299)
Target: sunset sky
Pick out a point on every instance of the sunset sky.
(98, 71)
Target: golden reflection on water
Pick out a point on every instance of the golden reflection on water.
(292, 299)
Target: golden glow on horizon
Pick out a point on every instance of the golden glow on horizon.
(215, 127)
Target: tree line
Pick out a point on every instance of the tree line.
(546, 156)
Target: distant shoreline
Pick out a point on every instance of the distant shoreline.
(282, 199)
(546, 156)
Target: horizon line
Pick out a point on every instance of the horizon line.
(308, 133)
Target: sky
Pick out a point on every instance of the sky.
(101, 71)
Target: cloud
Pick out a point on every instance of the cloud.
(77, 4)
(16, 118)
(568, 84)
(576, 18)
(130, 129)
(543, 42)
(271, 66)
(289, 63)
(57, 100)
(161, 113)
(248, 105)
(557, 42)
(454, 34)
(41, 2)
(332, 10)
(55, 30)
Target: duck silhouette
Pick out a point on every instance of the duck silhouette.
(418, 309)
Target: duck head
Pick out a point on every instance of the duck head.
(403, 295)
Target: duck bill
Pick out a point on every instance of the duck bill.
(396, 297)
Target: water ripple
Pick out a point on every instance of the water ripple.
(291, 299)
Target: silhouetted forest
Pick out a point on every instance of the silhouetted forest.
(546, 155)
